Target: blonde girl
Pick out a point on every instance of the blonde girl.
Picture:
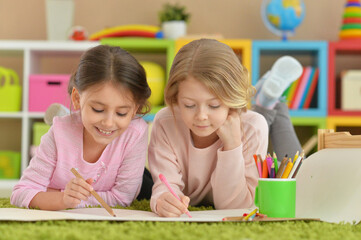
(204, 140)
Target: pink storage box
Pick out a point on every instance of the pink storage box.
(45, 89)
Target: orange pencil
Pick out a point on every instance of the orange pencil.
(255, 158)
(264, 169)
(287, 169)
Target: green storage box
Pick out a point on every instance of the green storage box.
(10, 165)
(10, 91)
(39, 129)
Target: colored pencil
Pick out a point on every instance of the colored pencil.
(282, 167)
(259, 166)
(288, 168)
(264, 169)
(250, 214)
(275, 162)
(296, 156)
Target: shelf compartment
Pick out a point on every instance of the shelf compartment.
(313, 53)
(342, 53)
(351, 124)
(242, 48)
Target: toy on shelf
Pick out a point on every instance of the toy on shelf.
(133, 30)
(351, 23)
(78, 33)
(282, 17)
(10, 91)
(156, 80)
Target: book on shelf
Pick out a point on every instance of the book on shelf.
(301, 93)
(312, 89)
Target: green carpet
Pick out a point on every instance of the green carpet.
(84, 230)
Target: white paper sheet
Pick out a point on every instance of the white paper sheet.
(17, 214)
(329, 186)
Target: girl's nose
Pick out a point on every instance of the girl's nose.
(202, 114)
(108, 120)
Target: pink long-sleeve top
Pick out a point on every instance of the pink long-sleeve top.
(226, 179)
(118, 172)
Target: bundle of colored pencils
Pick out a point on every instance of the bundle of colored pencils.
(268, 167)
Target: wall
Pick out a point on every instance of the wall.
(25, 19)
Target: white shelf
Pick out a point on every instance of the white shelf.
(31, 54)
(6, 187)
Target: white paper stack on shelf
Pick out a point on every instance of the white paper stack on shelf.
(351, 90)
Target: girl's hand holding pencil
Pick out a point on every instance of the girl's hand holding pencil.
(169, 204)
(76, 190)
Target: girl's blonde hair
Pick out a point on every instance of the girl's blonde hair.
(214, 64)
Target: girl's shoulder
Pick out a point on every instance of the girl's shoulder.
(164, 113)
(254, 119)
(71, 121)
(138, 125)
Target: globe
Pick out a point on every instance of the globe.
(282, 17)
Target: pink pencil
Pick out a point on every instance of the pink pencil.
(164, 180)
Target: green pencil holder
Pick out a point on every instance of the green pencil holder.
(10, 165)
(10, 91)
(276, 197)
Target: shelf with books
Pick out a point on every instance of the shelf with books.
(343, 55)
(313, 56)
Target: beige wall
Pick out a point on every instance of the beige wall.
(25, 19)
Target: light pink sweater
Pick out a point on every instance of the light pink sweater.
(226, 179)
(118, 171)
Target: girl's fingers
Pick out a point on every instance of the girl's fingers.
(80, 186)
(185, 201)
(173, 201)
(76, 194)
(170, 206)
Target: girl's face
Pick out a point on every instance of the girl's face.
(106, 111)
(202, 112)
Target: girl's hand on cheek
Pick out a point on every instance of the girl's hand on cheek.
(75, 191)
(170, 206)
(230, 131)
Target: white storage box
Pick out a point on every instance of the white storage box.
(351, 90)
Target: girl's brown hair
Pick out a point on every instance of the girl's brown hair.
(214, 64)
(103, 64)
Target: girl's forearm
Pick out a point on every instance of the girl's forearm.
(48, 201)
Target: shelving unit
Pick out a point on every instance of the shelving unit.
(342, 54)
(43, 57)
(313, 53)
(34, 57)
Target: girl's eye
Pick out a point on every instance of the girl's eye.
(214, 106)
(122, 114)
(96, 110)
(189, 106)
